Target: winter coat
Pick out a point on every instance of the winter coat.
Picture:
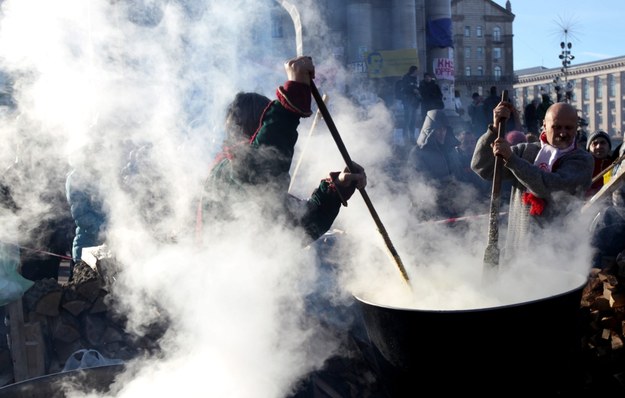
(410, 91)
(478, 121)
(248, 170)
(431, 159)
(437, 163)
(87, 209)
(570, 177)
(431, 96)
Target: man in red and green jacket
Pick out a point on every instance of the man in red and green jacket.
(256, 158)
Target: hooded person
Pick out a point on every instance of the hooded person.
(435, 160)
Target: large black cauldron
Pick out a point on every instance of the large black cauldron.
(528, 348)
(52, 386)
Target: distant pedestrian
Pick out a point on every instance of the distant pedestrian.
(479, 122)
(431, 94)
(490, 103)
(541, 111)
(530, 116)
(411, 100)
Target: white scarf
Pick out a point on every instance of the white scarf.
(548, 154)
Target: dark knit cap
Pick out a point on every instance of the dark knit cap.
(597, 134)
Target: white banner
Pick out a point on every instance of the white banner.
(443, 68)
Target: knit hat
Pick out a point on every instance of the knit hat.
(597, 134)
(515, 137)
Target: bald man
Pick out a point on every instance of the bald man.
(547, 176)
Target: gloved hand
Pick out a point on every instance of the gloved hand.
(348, 180)
(300, 69)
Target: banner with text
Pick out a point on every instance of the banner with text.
(393, 63)
(443, 68)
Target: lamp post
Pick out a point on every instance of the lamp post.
(566, 57)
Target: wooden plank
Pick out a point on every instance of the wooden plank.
(35, 349)
(605, 192)
(16, 336)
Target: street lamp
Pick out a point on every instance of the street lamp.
(566, 57)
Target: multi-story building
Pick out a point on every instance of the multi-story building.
(598, 91)
(482, 32)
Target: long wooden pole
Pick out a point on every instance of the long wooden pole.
(297, 24)
(491, 254)
(348, 161)
(607, 169)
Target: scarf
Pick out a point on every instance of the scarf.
(546, 158)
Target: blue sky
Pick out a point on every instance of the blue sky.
(597, 30)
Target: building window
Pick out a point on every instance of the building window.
(611, 86)
(496, 33)
(497, 72)
(586, 111)
(598, 88)
(480, 70)
(467, 31)
(478, 31)
(467, 53)
(586, 90)
(467, 71)
(569, 90)
(479, 52)
(496, 54)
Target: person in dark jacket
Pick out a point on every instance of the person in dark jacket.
(411, 99)
(434, 159)
(431, 95)
(548, 178)
(256, 157)
(490, 103)
(479, 123)
(530, 116)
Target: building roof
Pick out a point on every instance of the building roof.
(540, 70)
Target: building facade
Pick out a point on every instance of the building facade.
(598, 91)
(483, 47)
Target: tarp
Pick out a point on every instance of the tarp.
(439, 33)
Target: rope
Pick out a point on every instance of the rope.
(44, 252)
